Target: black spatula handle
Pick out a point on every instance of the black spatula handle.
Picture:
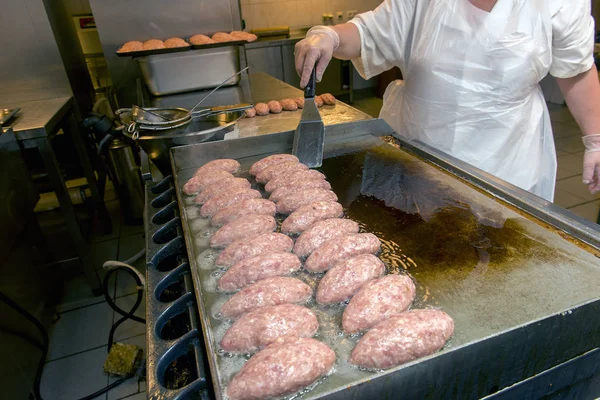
(310, 89)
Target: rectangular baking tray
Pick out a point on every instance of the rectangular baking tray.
(523, 295)
(190, 70)
(143, 53)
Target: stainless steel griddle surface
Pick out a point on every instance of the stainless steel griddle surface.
(488, 267)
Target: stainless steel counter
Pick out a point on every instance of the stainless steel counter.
(38, 118)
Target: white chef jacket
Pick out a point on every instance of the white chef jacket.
(471, 78)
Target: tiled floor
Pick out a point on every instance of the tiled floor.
(79, 338)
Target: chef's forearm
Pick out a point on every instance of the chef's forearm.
(582, 94)
(349, 47)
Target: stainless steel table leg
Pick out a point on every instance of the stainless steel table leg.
(66, 206)
(99, 206)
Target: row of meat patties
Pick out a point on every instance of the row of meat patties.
(176, 42)
(277, 106)
(268, 306)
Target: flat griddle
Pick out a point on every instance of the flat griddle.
(523, 297)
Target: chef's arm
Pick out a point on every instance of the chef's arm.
(582, 94)
(321, 44)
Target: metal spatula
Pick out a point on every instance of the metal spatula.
(310, 133)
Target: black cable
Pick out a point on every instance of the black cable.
(45, 342)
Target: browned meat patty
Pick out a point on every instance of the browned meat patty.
(222, 37)
(175, 42)
(284, 367)
(322, 231)
(271, 160)
(403, 338)
(275, 107)
(341, 249)
(133, 45)
(304, 184)
(261, 327)
(299, 101)
(302, 218)
(292, 178)
(221, 187)
(276, 170)
(201, 39)
(267, 292)
(251, 270)
(296, 200)
(261, 109)
(241, 35)
(241, 208)
(289, 105)
(318, 101)
(250, 112)
(200, 182)
(221, 202)
(225, 164)
(378, 300)
(153, 44)
(328, 99)
(266, 243)
(345, 279)
(247, 226)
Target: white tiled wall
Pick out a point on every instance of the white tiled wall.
(298, 13)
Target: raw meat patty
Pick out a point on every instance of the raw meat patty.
(175, 42)
(133, 45)
(403, 338)
(299, 101)
(246, 248)
(218, 203)
(292, 178)
(225, 164)
(304, 184)
(341, 249)
(200, 182)
(268, 292)
(286, 366)
(271, 160)
(261, 108)
(296, 200)
(222, 37)
(241, 208)
(221, 187)
(345, 279)
(378, 300)
(318, 101)
(201, 39)
(241, 35)
(302, 218)
(275, 107)
(328, 99)
(250, 112)
(261, 327)
(153, 44)
(251, 270)
(322, 231)
(274, 171)
(289, 105)
(244, 227)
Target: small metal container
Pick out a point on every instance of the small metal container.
(190, 70)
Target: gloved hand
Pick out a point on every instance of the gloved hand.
(317, 48)
(591, 163)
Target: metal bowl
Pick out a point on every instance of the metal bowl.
(157, 143)
(176, 117)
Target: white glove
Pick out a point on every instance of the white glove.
(317, 48)
(591, 163)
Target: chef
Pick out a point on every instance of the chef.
(471, 72)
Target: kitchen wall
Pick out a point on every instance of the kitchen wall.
(299, 13)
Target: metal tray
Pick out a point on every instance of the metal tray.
(219, 44)
(523, 297)
(143, 53)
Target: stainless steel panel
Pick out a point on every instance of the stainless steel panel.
(290, 76)
(523, 296)
(267, 60)
(191, 70)
(120, 21)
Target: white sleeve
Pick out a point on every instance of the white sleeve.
(383, 36)
(572, 38)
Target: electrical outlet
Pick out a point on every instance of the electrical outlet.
(339, 16)
(351, 14)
